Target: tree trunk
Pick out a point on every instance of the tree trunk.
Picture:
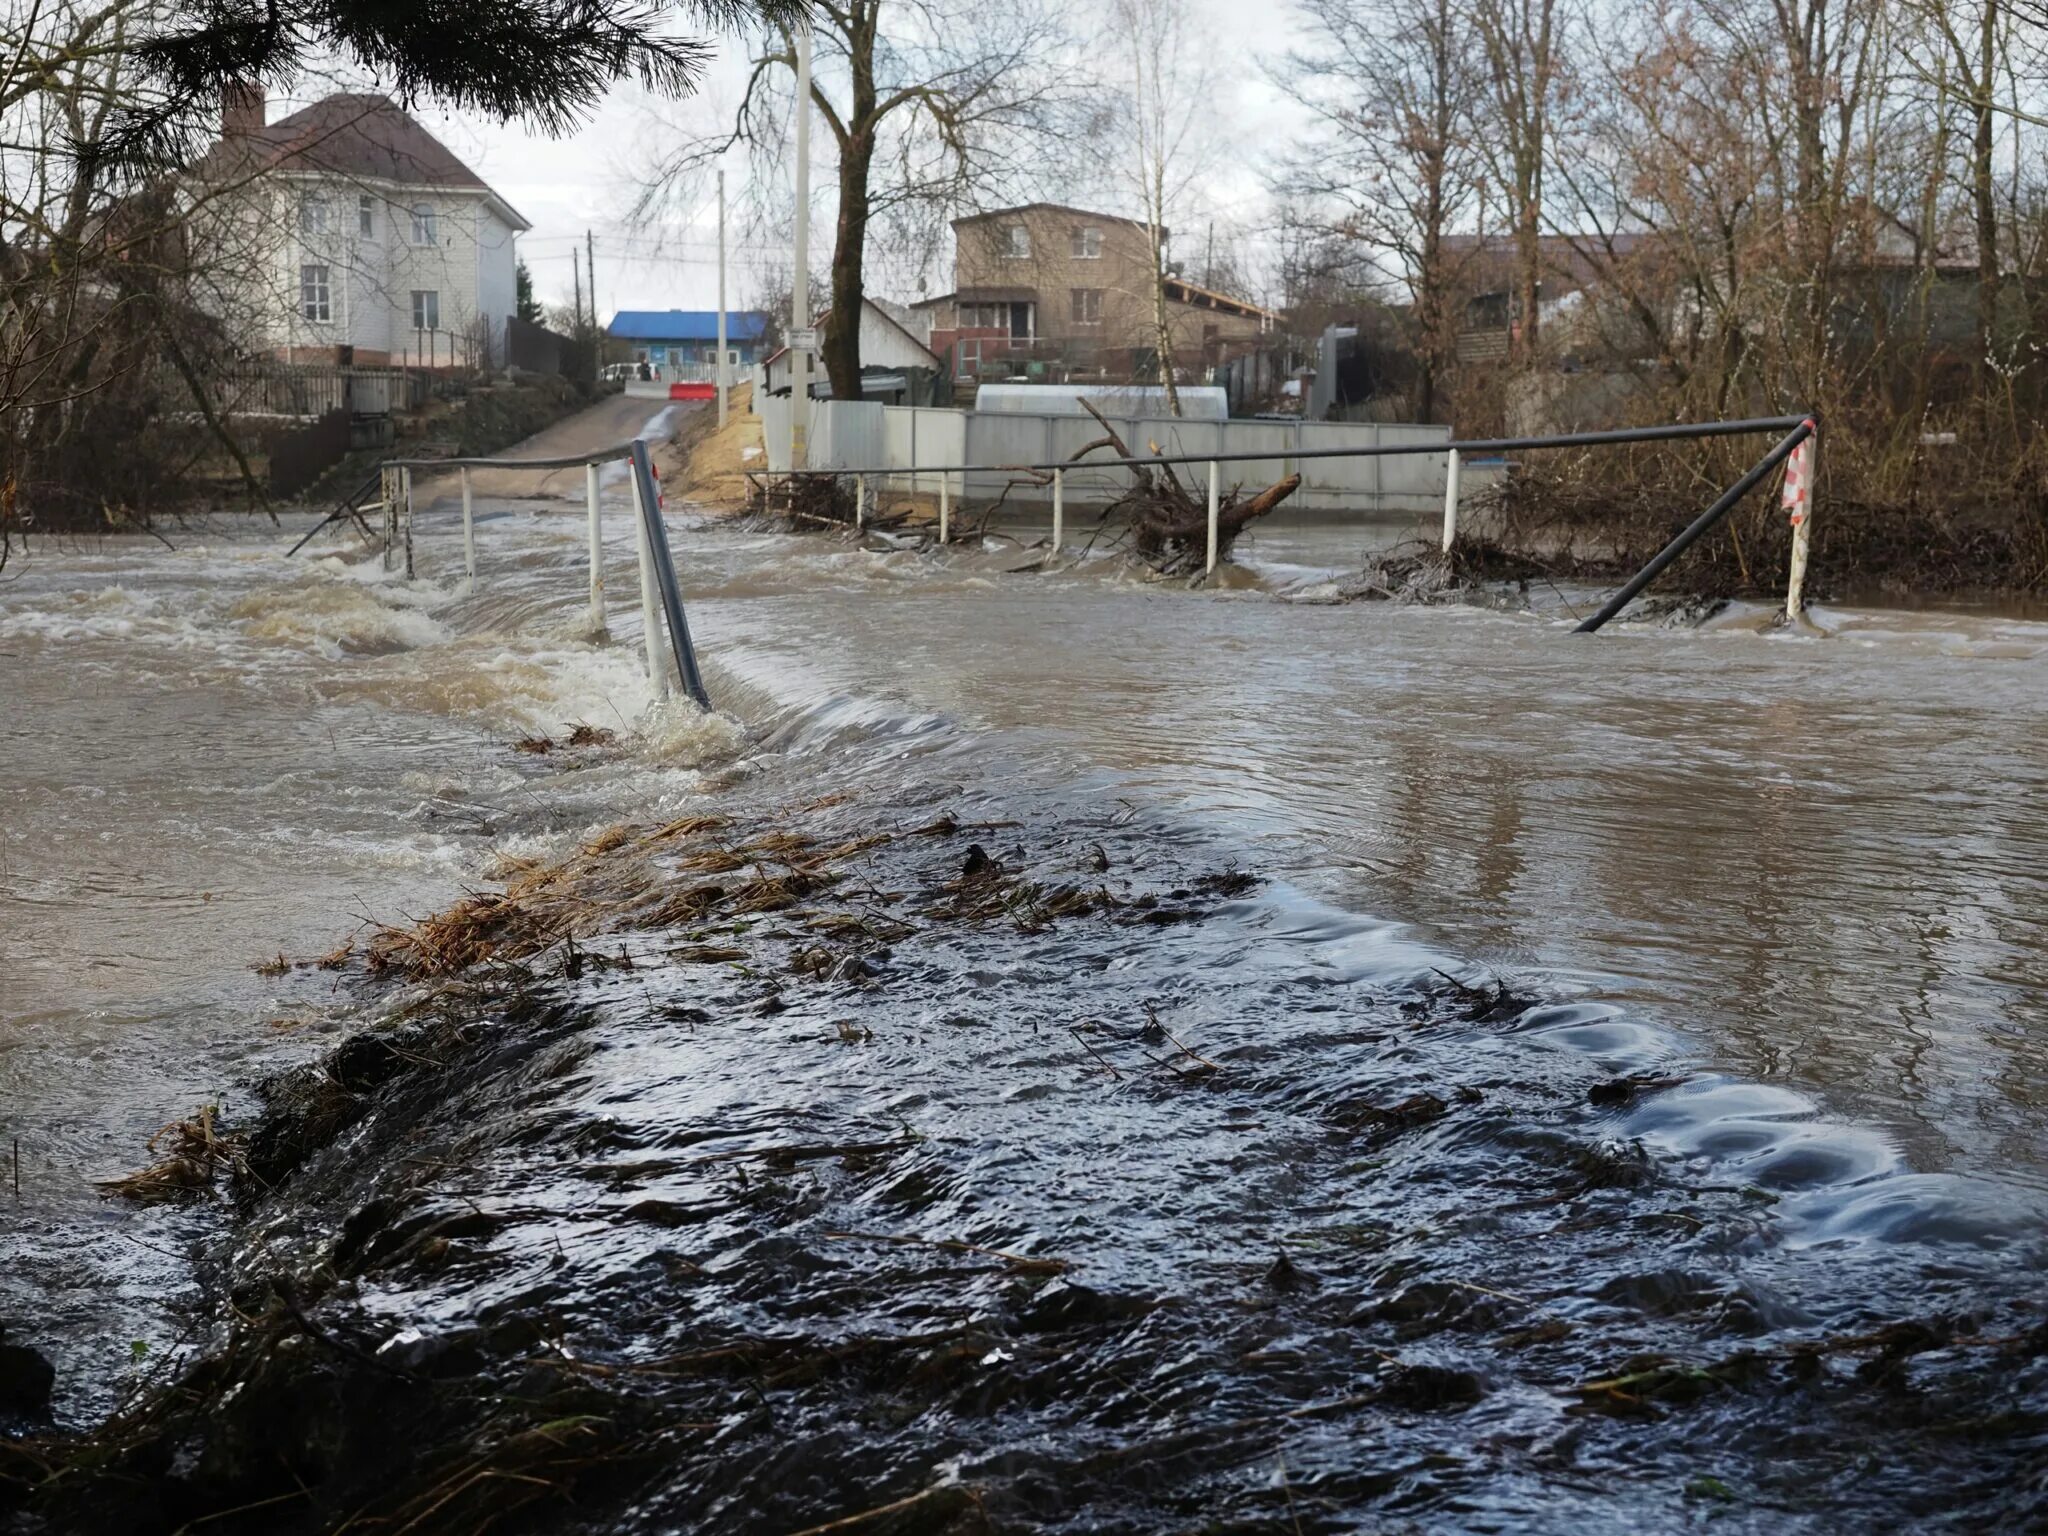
(1162, 338)
(1982, 147)
(841, 342)
(1528, 264)
(840, 345)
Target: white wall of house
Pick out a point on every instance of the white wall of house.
(885, 344)
(497, 280)
(391, 275)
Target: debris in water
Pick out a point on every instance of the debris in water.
(1285, 1275)
(1618, 1091)
(190, 1154)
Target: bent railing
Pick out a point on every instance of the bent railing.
(659, 587)
(1797, 429)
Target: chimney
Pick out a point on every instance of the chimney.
(241, 109)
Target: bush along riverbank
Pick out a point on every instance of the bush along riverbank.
(1946, 529)
(918, 1158)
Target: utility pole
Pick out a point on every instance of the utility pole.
(800, 301)
(576, 272)
(590, 255)
(721, 301)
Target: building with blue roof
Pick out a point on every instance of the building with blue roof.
(670, 339)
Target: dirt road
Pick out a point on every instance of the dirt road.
(616, 419)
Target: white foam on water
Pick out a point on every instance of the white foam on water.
(679, 734)
(335, 619)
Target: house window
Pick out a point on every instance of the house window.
(1016, 241)
(313, 293)
(426, 309)
(1087, 305)
(984, 317)
(312, 215)
(1087, 243)
(366, 216)
(423, 232)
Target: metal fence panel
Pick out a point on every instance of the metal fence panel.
(892, 439)
(941, 439)
(1084, 487)
(1413, 482)
(774, 413)
(998, 440)
(846, 434)
(1276, 437)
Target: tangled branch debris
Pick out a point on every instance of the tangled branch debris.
(1168, 522)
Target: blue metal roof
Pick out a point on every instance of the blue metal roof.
(686, 325)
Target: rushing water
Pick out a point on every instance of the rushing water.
(1810, 874)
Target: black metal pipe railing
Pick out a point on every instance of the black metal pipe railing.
(652, 527)
(1466, 447)
(649, 498)
(1698, 526)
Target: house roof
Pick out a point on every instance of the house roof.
(1196, 294)
(882, 314)
(686, 325)
(354, 134)
(1579, 259)
(1084, 213)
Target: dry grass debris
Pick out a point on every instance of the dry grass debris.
(190, 1154)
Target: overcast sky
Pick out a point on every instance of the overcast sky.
(587, 181)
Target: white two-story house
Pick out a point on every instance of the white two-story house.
(346, 232)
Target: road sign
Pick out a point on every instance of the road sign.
(803, 338)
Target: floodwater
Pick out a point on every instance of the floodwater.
(1805, 877)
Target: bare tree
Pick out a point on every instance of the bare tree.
(932, 106)
(1523, 44)
(1972, 37)
(1394, 85)
(1153, 142)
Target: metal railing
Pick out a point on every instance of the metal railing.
(1797, 430)
(659, 587)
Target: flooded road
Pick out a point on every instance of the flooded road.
(1803, 878)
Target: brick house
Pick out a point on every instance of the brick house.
(1045, 291)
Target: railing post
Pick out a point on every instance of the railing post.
(1798, 502)
(1451, 468)
(657, 673)
(406, 476)
(596, 550)
(1214, 501)
(468, 532)
(388, 488)
(945, 506)
(860, 501)
(1059, 507)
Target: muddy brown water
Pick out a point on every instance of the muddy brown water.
(1803, 876)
